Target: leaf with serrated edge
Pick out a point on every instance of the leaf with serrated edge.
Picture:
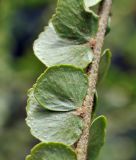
(50, 126)
(52, 151)
(72, 21)
(50, 49)
(61, 88)
(97, 137)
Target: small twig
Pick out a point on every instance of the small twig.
(82, 144)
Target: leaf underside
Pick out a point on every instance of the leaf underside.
(51, 151)
(61, 88)
(97, 137)
(91, 3)
(53, 50)
(50, 126)
(66, 39)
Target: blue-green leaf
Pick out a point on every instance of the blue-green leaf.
(104, 64)
(97, 137)
(108, 29)
(52, 151)
(72, 21)
(90, 3)
(51, 50)
(61, 88)
(50, 126)
(95, 102)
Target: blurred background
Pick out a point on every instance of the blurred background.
(20, 23)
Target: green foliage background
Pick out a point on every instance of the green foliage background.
(21, 22)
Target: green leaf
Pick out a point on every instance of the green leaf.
(97, 137)
(50, 126)
(61, 88)
(72, 21)
(104, 64)
(50, 49)
(108, 29)
(91, 3)
(95, 102)
(52, 151)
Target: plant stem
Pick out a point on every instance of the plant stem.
(82, 144)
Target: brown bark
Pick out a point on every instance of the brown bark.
(82, 144)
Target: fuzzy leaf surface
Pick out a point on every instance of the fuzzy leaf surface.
(97, 137)
(51, 151)
(61, 88)
(50, 126)
(72, 21)
(51, 50)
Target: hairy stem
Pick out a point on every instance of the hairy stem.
(82, 144)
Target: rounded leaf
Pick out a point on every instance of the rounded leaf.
(61, 88)
(73, 21)
(50, 49)
(52, 151)
(50, 126)
(97, 137)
